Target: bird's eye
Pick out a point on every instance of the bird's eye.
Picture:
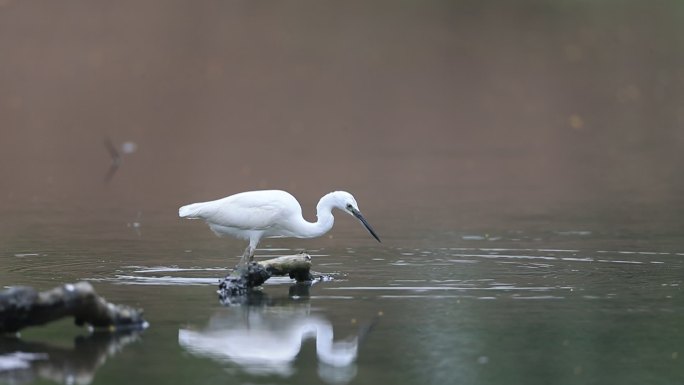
(349, 206)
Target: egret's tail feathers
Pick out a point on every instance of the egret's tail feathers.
(191, 211)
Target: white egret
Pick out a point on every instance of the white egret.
(253, 215)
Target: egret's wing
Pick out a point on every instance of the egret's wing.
(249, 211)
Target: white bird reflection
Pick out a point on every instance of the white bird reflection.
(266, 340)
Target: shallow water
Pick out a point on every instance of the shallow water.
(502, 306)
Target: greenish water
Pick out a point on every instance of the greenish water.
(563, 305)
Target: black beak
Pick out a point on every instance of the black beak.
(360, 217)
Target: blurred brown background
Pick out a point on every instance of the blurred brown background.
(410, 105)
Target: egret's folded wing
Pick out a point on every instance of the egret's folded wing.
(245, 213)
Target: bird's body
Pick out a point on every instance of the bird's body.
(253, 215)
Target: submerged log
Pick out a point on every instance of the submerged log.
(240, 282)
(22, 306)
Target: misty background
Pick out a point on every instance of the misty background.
(434, 114)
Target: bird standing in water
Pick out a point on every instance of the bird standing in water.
(253, 215)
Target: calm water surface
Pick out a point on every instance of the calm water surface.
(506, 305)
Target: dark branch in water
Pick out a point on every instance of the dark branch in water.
(240, 282)
(21, 307)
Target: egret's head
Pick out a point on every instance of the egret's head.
(346, 202)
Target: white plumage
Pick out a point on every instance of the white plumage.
(253, 215)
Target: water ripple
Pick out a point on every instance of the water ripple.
(446, 288)
(144, 275)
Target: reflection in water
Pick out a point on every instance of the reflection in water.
(265, 336)
(24, 362)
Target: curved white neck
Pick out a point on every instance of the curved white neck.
(325, 220)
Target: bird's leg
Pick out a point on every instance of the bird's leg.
(247, 256)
